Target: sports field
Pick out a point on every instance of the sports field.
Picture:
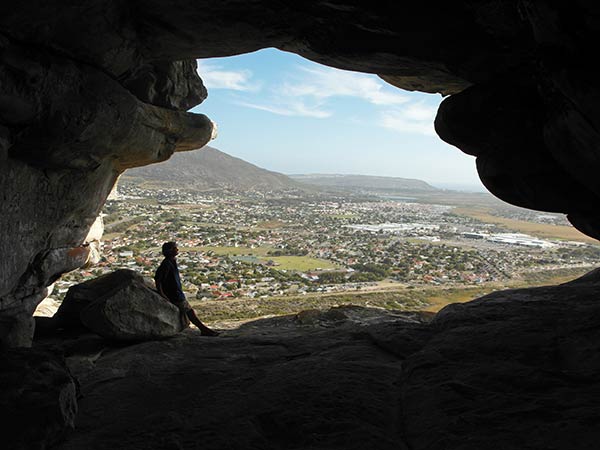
(299, 263)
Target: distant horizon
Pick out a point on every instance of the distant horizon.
(452, 186)
(285, 113)
(464, 187)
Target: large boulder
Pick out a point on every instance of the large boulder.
(38, 397)
(120, 305)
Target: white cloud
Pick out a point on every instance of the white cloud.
(289, 108)
(307, 91)
(310, 91)
(215, 78)
(323, 83)
(413, 118)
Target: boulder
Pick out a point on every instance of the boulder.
(120, 305)
(39, 397)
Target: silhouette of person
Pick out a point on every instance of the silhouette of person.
(168, 284)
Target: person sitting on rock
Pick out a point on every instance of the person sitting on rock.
(168, 284)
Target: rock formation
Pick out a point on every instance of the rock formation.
(89, 89)
(37, 397)
(67, 129)
(119, 306)
(512, 370)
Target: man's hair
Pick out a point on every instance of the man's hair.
(168, 247)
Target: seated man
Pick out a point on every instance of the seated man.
(168, 284)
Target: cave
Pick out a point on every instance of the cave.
(91, 88)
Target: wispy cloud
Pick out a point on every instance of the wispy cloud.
(214, 77)
(308, 91)
(311, 91)
(413, 118)
(324, 83)
(288, 108)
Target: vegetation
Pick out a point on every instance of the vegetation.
(403, 299)
(302, 263)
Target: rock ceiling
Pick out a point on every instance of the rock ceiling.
(92, 87)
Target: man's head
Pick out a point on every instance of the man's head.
(169, 249)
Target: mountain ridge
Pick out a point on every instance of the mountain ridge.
(356, 181)
(208, 168)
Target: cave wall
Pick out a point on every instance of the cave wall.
(89, 88)
(67, 130)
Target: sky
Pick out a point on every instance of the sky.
(285, 113)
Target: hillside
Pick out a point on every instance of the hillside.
(364, 182)
(207, 169)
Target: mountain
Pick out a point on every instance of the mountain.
(364, 182)
(207, 169)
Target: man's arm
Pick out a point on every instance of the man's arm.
(158, 281)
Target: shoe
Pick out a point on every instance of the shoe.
(209, 332)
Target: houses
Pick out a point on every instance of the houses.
(233, 247)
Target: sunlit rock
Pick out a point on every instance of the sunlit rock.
(121, 306)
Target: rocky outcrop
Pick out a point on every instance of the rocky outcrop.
(37, 397)
(515, 369)
(120, 306)
(92, 88)
(68, 130)
(132, 312)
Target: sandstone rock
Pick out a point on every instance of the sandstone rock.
(121, 306)
(174, 85)
(38, 398)
(47, 308)
(513, 370)
(273, 385)
(58, 169)
(130, 315)
(102, 86)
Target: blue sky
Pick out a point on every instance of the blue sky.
(287, 114)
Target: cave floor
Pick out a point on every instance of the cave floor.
(516, 369)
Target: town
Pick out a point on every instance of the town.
(257, 246)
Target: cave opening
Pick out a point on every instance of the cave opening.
(89, 90)
(248, 234)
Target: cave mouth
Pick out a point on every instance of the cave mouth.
(521, 99)
(283, 112)
(90, 89)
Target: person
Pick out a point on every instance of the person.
(168, 284)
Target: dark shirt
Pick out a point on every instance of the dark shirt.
(167, 278)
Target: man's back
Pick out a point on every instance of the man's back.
(168, 281)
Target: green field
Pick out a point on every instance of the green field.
(230, 251)
(299, 263)
(270, 225)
